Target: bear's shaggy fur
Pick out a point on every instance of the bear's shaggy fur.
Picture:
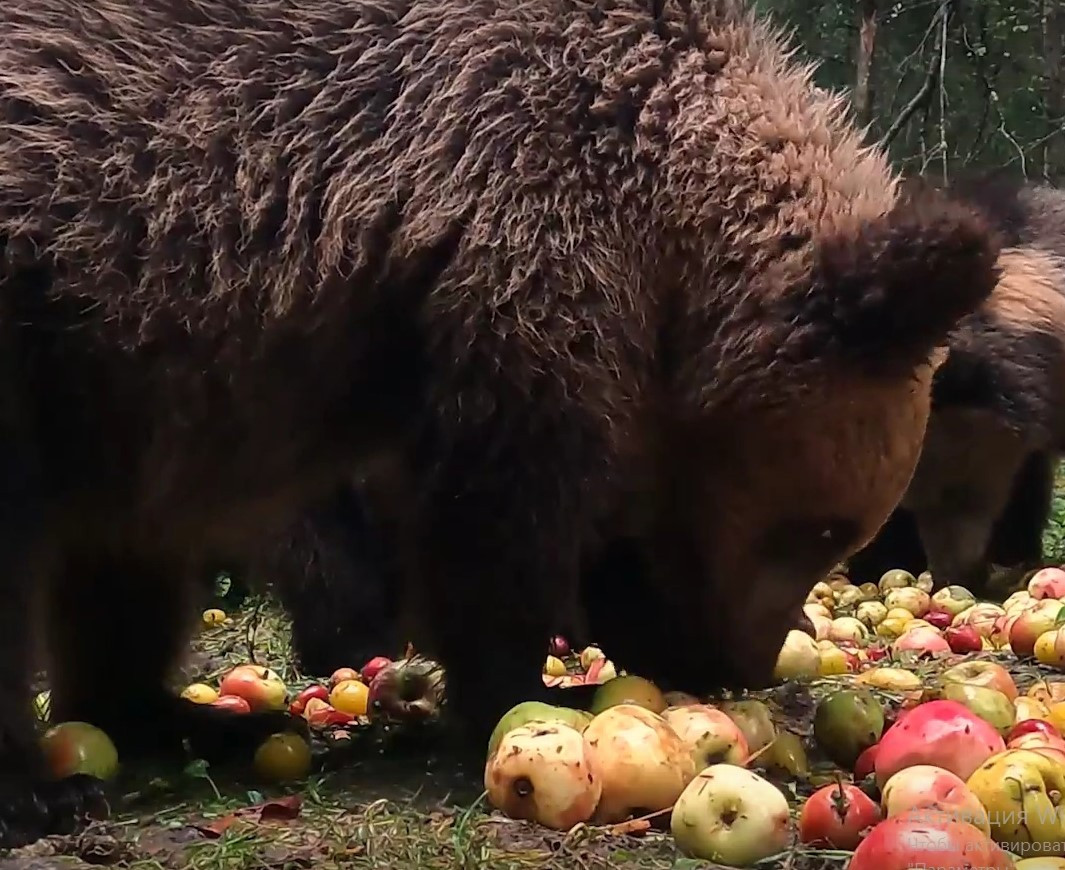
(565, 253)
(982, 491)
(338, 574)
(336, 579)
(1016, 539)
(338, 571)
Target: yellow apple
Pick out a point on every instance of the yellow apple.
(629, 689)
(848, 628)
(890, 679)
(989, 704)
(982, 673)
(953, 600)
(754, 721)
(896, 579)
(833, 660)
(910, 598)
(871, 613)
(812, 610)
(555, 667)
(1030, 708)
(541, 772)
(200, 693)
(642, 763)
(1050, 648)
(731, 815)
(1021, 790)
(710, 734)
(798, 657)
(980, 616)
(848, 596)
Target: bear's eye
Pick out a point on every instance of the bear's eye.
(810, 540)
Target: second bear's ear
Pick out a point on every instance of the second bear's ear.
(886, 294)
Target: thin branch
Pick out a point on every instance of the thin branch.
(943, 151)
(979, 141)
(924, 94)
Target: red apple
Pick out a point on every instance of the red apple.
(837, 817)
(876, 653)
(558, 646)
(259, 686)
(924, 787)
(322, 714)
(1029, 726)
(1000, 631)
(232, 702)
(866, 762)
(1047, 583)
(1036, 739)
(372, 668)
(923, 838)
(923, 640)
(963, 639)
(1038, 619)
(942, 733)
(938, 618)
(297, 706)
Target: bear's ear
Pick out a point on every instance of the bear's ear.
(885, 295)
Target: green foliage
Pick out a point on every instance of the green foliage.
(1054, 537)
(987, 76)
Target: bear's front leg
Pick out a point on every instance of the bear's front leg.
(31, 805)
(119, 625)
(333, 574)
(498, 537)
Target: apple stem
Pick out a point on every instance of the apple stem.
(839, 799)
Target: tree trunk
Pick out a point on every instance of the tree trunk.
(1054, 88)
(863, 95)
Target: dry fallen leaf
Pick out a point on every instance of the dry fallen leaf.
(630, 828)
(280, 810)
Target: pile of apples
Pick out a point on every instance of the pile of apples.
(251, 688)
(940, 786)
(247, 688)
(955, 788)
(856, 626)
(642, 753)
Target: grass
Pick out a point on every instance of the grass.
(396, 810)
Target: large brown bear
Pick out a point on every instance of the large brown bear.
(562, 253)
(982, 491)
